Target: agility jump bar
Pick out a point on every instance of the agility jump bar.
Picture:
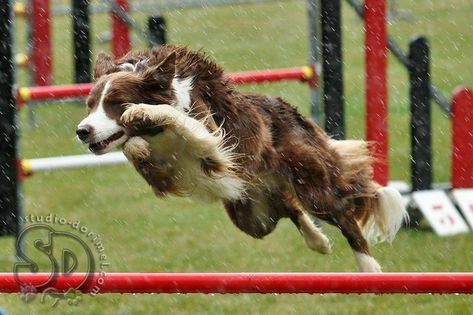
(348, 283)
(31, 166)
(54, 92)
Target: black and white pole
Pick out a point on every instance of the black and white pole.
(157, 30)
(9, 181)
(81, 40)
(332, 68)
(420, 97)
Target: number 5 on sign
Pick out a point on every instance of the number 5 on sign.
(440, 212)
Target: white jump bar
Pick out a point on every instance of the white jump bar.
(72, 161)
(114, 158)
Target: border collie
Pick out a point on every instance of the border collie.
(189, 132)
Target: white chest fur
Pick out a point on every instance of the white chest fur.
(185, 166)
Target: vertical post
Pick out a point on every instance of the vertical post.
(120, 33)
(9, 196)
(421, 147)
(41, 42)
(315, 57)
(332, 68)
(81, 41)
(462, 133)
(376, 87)
(157, 30)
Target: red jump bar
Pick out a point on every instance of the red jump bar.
(380, 283)
(304, 74)
(40, 93)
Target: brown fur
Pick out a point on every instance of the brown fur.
(156, 173)
(270, 138)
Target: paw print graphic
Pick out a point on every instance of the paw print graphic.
(73, 297)
(28, 293)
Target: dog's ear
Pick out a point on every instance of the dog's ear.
(162, 74)
(141, 66)
(126, 67)
(104, 64)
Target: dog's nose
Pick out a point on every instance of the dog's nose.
(83, 132)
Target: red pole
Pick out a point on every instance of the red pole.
(380, 283)
(53, 92)
(376, 88)
(121, 43)
(462, 138)
(38, 93)
(304, 74)
(41, 45)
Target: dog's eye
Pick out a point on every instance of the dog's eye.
(116, 104)
(89, 104)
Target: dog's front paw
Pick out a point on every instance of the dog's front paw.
(135, 114)
(148, 119)
(143, 119)
(136, 149)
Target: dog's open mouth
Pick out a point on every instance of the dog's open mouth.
(99, 146)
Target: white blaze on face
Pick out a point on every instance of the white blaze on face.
(106, 133)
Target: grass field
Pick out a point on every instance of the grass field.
(142, 233)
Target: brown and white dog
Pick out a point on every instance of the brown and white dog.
(188, 131)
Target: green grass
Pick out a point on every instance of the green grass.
(142, 233)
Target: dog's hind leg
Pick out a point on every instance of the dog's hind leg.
(313, 235)
(338, 212)
(313, 185)
(359, 245)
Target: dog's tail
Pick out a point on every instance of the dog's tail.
(384, 219)
(380, 210)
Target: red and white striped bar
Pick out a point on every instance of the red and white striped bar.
(379, 283)
(40, 93)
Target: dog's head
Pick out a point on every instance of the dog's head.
(117, 85)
